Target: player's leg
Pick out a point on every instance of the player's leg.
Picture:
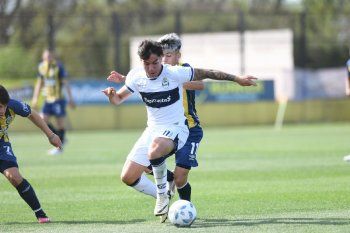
(46, 118)
(186, 158)
(181, 182)
(165, 142)
(170, 180)
(60, 114)
(61, 131)
(159, 148)
(47, 112)
(25, 190)
(136, 164)
(58, 111)
(133, 176)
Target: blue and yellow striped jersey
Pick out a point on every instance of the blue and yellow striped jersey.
(52, 74)
(189, 103)
(14, 108)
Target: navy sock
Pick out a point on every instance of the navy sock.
(27, 193)
(170, 176)
(185, 192)
(61, 133)
(53, 129)
(157, 162)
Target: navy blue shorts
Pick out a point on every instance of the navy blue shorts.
(4, 164)
(57, 108)
(6, 152)
(186, 157)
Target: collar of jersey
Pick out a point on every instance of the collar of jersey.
(152, 79)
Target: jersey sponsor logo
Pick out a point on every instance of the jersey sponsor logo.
(50, 82)
(160, 99)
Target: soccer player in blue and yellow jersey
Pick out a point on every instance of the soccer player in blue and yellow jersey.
(186, 157)
(52, 79)
(347, 157)
(348, 69)
(9, 108)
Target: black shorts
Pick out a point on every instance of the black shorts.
(4, 164)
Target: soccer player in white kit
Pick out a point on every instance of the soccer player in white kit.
(160, 88)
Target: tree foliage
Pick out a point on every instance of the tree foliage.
(92, 36)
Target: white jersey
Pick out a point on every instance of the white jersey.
(162, 95)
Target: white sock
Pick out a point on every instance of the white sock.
(160, 177)
(146, 186)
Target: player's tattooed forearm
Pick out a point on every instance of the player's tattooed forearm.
(201, 74)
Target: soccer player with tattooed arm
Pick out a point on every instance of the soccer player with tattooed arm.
(160, 88)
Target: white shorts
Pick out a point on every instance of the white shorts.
(139, 152)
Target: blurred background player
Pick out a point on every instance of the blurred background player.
(347, 157)
(348, 69)
(52, 79)
(186, 157)
(8, 161)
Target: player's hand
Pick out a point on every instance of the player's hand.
(116, 77)
(246, 80)
(55, 140)
(109, 91)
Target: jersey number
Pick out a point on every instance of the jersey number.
(8, 150)
(194, 148)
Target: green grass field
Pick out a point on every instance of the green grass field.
(250, 179)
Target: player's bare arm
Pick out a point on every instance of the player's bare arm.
(69, 92)
(194, 85)
(116, 77)
(117, 97)
(40, 123)
(38, 86)
(246, 80)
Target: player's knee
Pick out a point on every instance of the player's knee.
(127, 179)
(159, 147)
(14, 178)
(180, 179)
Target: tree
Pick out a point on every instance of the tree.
(8, 10)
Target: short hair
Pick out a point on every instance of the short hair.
(4, 95)
(148, 47)
(170, 42)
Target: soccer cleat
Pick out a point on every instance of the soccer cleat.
(44, 220)
(163, 218)
(171, 189)
(346, 158)
(162, 204)
(55, 151)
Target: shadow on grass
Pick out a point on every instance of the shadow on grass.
(112, 222)
(204, 223)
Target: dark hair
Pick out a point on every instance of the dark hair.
(4, 95)
(148, 47)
